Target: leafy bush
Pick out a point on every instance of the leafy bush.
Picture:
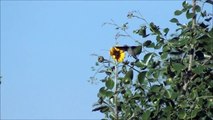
(176, 82)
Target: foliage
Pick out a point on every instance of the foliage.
(176, 82)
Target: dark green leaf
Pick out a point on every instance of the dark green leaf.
(100, 108)
(147, 43)
(189, 15)
(166, 48)
(178, 66)
(141, 77)
(193, 94)
(182, 114)
(168, 94)
(164, 55)
(203, 14)
(136, 97)
(199, 69)
(151, 80)
(158, 45)
(146, 115)
(166, 30)
(154, 28)
(156, 74)
(184, 4)
(109, 94)
(137, 50)
(155, 88)
(140, 64)
(178, 12)
(194, 112)
(197, 8)
(129, 76)
(109, 83)
(102, 92)
(174, 20)
(142, 32)
(182, 42)
(147, 57)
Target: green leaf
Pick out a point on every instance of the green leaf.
(102, 92)
(136, 97)
(158, 45)
(154, 28)
(151, 80)
(129, 76)
(189, 15)
(147, 43)
(194, 112)
(174, 20)
(197, 8)
(199, 69)
(166, 48)
(184, 4)
(137, 50)
(100, 108)
(166, 30)
(168, 94)
(109, 83)
(178, 66)
(203, 14)
(182, 114)
(182, 42)
(148, 57)
(140, 64)
(164, 55)
(146, 115)
(178, 12)
(155, 88)
(109, 94)
(141, 77)
(142, 31)
(193, 94)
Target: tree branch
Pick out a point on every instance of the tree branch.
(193, 27)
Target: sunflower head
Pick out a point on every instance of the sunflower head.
(117, 54)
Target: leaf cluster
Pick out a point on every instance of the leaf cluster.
(160, 85)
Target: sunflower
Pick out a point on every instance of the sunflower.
(117, 54)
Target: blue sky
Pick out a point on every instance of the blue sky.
(45, 53)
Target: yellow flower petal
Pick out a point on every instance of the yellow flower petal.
(117, 54)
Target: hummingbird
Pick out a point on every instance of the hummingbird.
(131, 50)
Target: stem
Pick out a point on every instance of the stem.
(116, 93)
(193, 27)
